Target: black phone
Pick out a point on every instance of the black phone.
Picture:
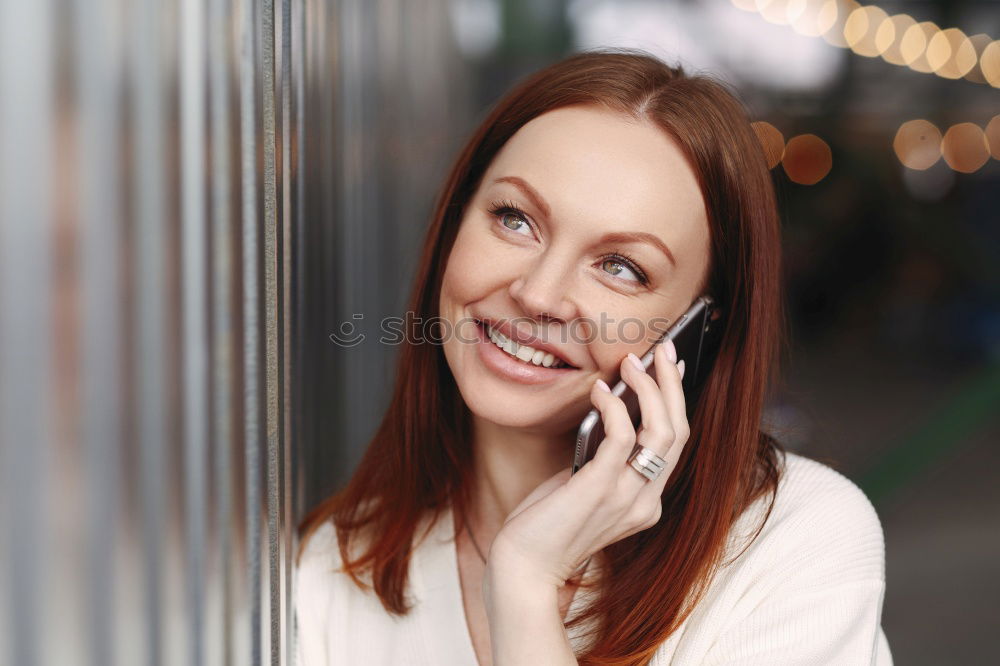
(696, 335)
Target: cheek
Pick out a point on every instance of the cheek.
(459, 264)
(609, 357)
(474, 268)
(462, 281)
(618, 340)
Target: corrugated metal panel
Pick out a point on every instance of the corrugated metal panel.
(191, 197)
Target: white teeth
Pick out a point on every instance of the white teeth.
(524, 352)
(510, 347)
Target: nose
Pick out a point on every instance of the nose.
(542, 292)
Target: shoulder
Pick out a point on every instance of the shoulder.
(807, 589)
(809, 488)
(821, 521)
(320, 555)
(318, 571)
(320, 546)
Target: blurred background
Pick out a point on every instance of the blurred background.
(194, 196)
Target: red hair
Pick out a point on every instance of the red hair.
(419, 460)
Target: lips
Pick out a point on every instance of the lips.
(507, 330)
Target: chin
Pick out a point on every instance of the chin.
(512, 416)
(510, 409)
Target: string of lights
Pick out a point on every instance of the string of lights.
(898, 39)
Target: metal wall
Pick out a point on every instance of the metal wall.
(385, 102)
(193, 196)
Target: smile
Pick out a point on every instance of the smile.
(509, 359)
(524, 352)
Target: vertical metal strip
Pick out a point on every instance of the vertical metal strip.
(222, 326)
(288, 397)
(251, 319)
(27, 75)
(150, 314)
(328, 121)
(271, 306)
(195, 343)
(353, 246)
(298, 259)
(97, 102)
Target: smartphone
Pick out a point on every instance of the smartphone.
(696, 336)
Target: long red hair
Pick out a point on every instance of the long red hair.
(420, 460)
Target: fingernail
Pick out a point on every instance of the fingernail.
(680, 366)
(636, 362)
(671, 351)
(603, 386)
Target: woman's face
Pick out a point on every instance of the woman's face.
(588, 232)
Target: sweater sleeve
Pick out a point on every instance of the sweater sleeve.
(818, 590)
(312, 598)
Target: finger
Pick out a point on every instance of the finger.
(670, 385)
(668, 378)
(657, 432)
(657, 429)
(619, 434)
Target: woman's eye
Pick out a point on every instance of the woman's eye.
(510, 216)
(512, 222)
(619, 266)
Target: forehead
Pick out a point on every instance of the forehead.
(583, 158)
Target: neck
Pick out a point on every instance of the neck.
(508, 464)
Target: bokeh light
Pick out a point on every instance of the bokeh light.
(914, 45)
(812, 18)
(993, 136)
(835, 34)
(950, 54)
(861, 27)
(964, 147)
(989, 63)
(774, 11)
(868, 30)
(917, 144)
(889, 37)
(979, 43)
(807, 159)
(772, 140)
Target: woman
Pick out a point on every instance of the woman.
(606, 188)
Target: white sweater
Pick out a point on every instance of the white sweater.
(808, 591)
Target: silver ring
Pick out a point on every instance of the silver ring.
(646, 461)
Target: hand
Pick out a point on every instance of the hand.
(568, 518)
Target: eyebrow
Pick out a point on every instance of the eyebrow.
(613, 237)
